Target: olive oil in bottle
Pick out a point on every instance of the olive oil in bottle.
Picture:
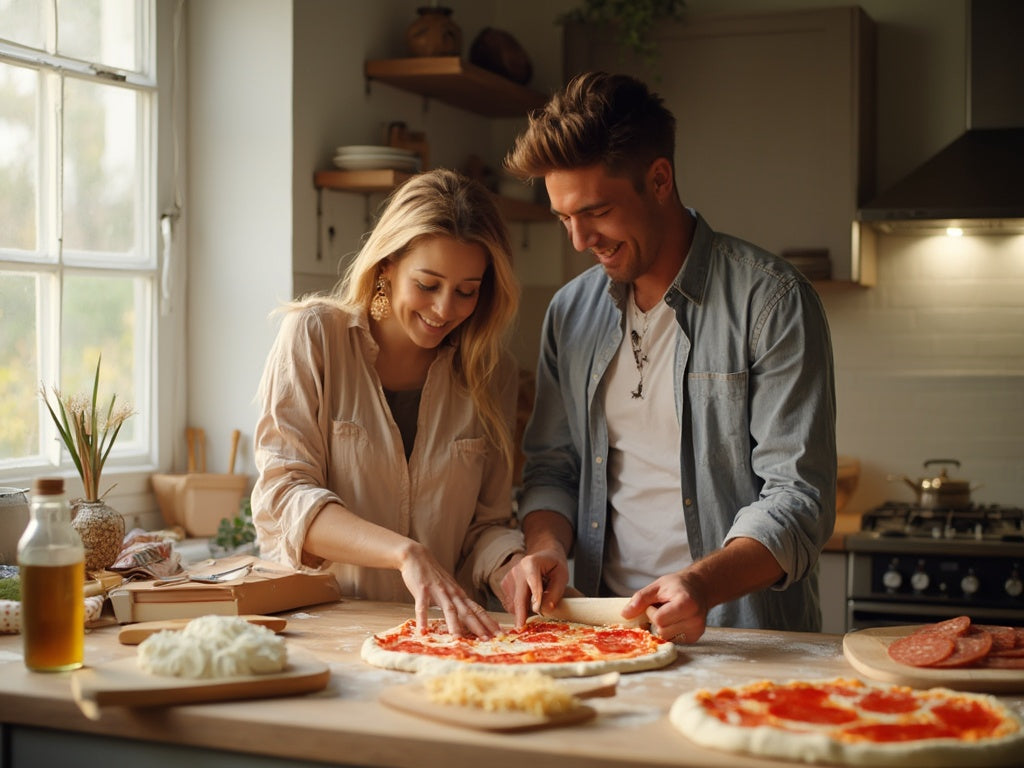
(51, 565)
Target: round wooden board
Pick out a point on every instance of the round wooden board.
(414, 700)
(867, 651)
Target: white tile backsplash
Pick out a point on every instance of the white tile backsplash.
(930, 364)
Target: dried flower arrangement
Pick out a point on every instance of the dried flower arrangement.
(87, 432)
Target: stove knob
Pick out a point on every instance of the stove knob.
(970, 583)
(1013, 585)
(920, 581)
(892, 579)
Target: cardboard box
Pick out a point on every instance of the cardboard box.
(198, 501)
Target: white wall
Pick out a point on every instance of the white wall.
(239, 201)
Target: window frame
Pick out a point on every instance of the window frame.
(161, 260)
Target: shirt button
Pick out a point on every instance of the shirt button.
(595, 377)
(599, 460)
(687, 502)
(595, 525)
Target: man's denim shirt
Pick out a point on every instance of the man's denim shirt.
(755, 395)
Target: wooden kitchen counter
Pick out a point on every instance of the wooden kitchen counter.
(346, 725)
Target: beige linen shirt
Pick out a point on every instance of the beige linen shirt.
(326, 434)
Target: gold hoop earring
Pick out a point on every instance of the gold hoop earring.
(380, 304)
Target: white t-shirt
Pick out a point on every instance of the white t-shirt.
(647, 536)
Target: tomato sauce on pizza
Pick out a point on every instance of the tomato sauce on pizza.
(847, 721)
(558, 648)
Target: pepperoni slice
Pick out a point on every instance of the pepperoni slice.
(1003, 638)
(950, 627)
(922, 649)
(969, 649)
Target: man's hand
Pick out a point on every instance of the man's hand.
(676, 606)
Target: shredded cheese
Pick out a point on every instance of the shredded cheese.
(530, 692)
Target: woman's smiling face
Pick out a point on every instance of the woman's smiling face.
(435, 286)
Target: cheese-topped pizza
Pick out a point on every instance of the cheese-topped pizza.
(848, 722)
(556, 648)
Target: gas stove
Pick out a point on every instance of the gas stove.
(897, 526)
(911, 564)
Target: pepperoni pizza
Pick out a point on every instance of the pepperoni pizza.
(848, 722)
(556, 648)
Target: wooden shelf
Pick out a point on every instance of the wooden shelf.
(457, 83)
(384, 180)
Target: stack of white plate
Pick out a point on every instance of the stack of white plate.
(368, 157)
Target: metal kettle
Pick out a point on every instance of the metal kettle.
(941, 491)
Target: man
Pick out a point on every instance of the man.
(682, 442)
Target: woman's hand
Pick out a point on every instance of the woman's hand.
(430, 584)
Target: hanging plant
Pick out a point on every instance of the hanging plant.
(632, 20)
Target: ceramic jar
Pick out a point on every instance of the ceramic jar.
(13, 519)
(434, 33)
(102, 530)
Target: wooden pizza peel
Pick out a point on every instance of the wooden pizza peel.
(122, 683)
(867, 652)
(413, 699)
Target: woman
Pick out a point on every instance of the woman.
(384, 445)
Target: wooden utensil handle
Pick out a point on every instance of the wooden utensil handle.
(234, 451)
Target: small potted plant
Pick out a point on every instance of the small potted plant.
(88, 432)
(235, 535)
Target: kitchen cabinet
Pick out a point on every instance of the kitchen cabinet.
(459, 84)
(775, 136)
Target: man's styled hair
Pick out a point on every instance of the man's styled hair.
(598, 118)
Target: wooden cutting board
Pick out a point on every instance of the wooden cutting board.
(867, 651)
(413, 699)
(122, 683)
(133, 634)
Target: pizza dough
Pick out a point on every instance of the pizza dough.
(848, 722)
(213, 647)
(556, 648)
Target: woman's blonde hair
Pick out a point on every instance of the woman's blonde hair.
(444, 203)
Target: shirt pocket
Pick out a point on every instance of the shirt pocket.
(721, 428)
(349, 448)
(467, 459)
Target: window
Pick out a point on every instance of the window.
(79, 219)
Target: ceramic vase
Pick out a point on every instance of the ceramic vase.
(434, 33)
(102, 530)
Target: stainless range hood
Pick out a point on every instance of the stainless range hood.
(976, 183)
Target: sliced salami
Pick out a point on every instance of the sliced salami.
(950, 627)
(922, 649)
(969, 648)
(1003, 638)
